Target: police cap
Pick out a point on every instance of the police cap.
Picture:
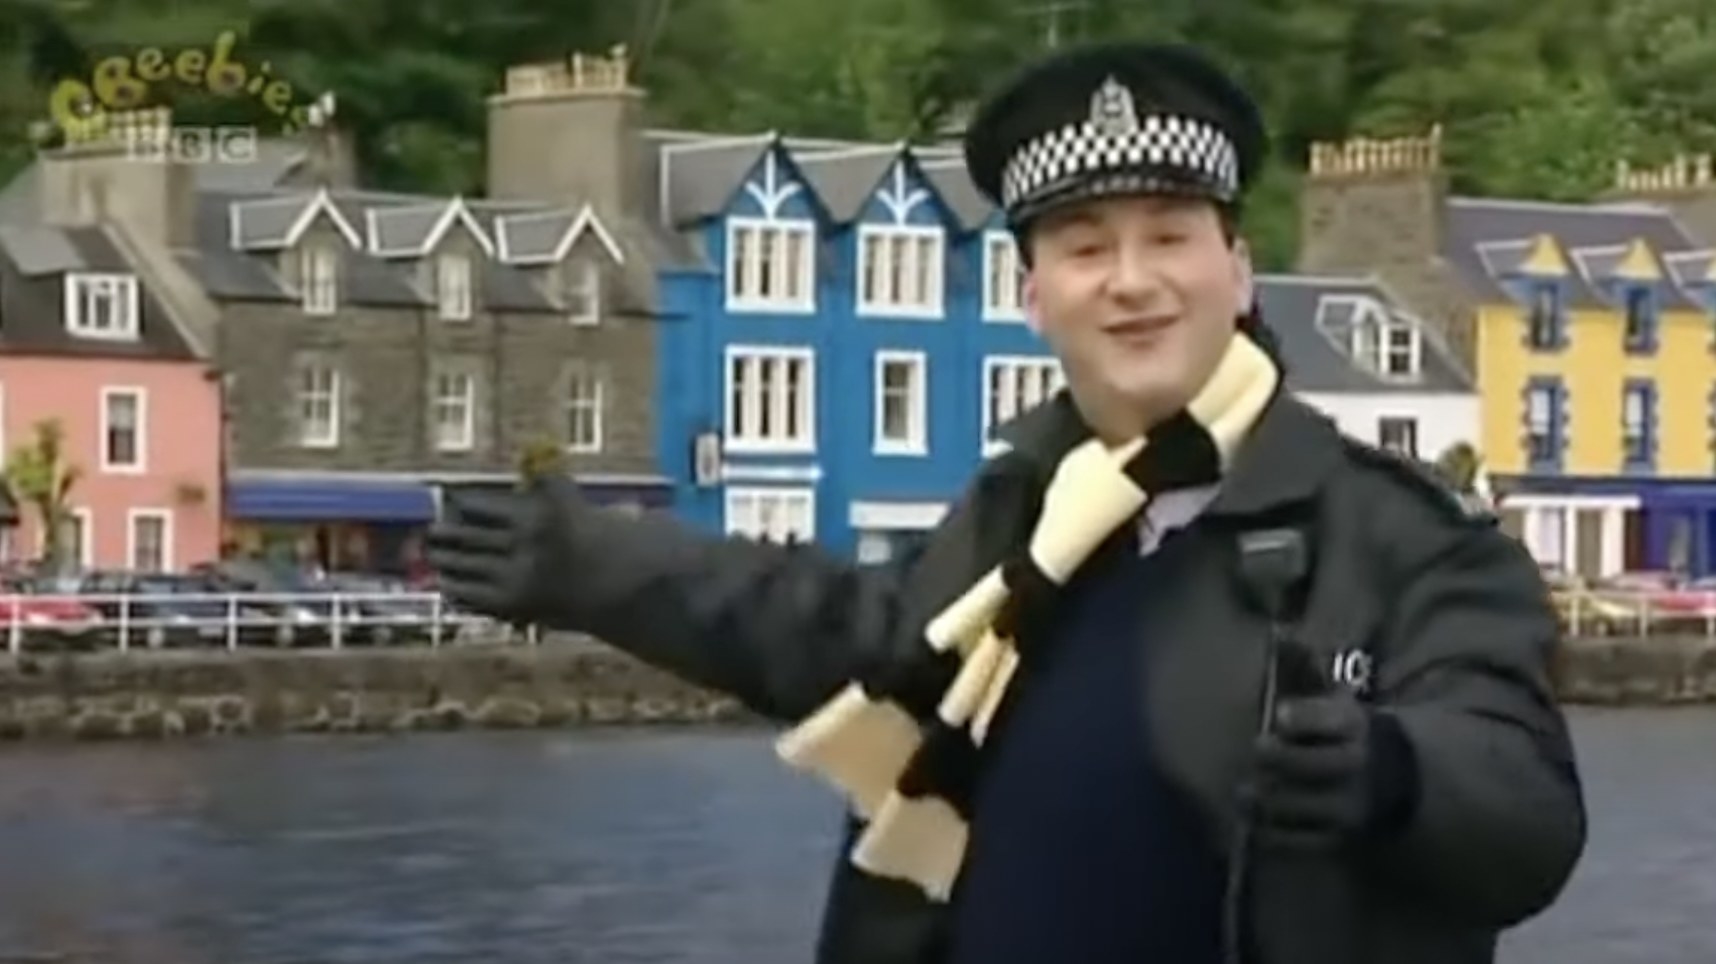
(1113, 119)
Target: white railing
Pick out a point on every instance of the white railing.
(1619, 612)
(86, 621)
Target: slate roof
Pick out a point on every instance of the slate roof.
(35, 263)
(1485, 239)
(1312, 316)
(698, 175)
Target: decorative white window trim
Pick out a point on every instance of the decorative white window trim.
(768, 396)
(1002, 302)
(133, 518)
(139, 463)
(586, 408)
(902, 271)
(107, 307)
(314, 432)
(318, 278)
(581, 287)
(453, 411)
(1012, 385)
(770, 514)
(454, 287)
(784, 280)
(914, 440)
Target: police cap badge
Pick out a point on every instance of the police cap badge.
(1111, 119)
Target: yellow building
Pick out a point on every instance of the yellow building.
(1589, 331)
(1595, 364)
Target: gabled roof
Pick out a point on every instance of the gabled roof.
(1313, 317)
(413, 230)
(276, 222)
(1487, 239)
(539, 237)
(845, 179)
(698, 178)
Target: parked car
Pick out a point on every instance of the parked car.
(380, 609)
(283, 598)
(158, 609)
(49, 620)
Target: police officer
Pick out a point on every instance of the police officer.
(1297, 712)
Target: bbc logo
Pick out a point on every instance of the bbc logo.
(231, 144)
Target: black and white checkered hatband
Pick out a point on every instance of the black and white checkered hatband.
(1158, 149)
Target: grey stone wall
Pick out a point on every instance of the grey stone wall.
(559, 684)
(168, 694)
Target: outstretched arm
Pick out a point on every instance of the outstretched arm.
(1500, 820)
(779, 628)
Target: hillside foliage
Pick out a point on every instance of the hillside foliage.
(1536, 99)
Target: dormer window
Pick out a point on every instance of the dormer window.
(1640, 319)
(581, 292)
(102, 306)
(1389, 346)
(1399, 357)
(318, 278)
(1544, 330)
(453, 286)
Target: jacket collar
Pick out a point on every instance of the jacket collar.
(1291, 451)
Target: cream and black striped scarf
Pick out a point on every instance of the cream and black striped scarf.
(904, 751)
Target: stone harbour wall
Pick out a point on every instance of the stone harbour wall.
(1637, 670)
(157, 694)
(187, 693)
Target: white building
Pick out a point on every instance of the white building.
(1384, 376)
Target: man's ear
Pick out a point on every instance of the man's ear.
(1244, 277)
(1028, 301)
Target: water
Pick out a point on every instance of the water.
(623, 848)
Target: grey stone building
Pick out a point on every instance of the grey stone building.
(376, 346)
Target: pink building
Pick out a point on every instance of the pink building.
(85, 339)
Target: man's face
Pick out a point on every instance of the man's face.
(1139, 298)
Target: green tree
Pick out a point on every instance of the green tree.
(1460, 464)
(40, 474)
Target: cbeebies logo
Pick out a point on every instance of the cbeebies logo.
(133, 81)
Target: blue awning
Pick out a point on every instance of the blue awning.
(329, 500)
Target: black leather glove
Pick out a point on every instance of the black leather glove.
(494, 549)
(1333, 771)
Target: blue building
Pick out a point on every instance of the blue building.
(832, 364)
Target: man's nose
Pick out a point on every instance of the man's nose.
(1137, 276)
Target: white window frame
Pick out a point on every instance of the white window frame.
(125, 320)
(744, 286)
(1001, 252)
(748, 439)
(302, 399)
(916, 402)
(1048, 369)
(742, 511)
(457, 409)
(591, 405)
(1388, 350)
(163, 516)
(318, 278)
(453, 295)
(890, 242)
(581, 288)
(86, 536)
(140, 442)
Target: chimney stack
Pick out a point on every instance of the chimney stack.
(568, 132)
